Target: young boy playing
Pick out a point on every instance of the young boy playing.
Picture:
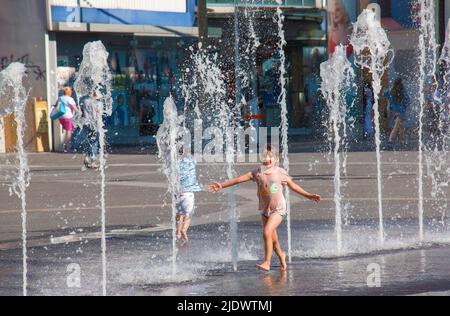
(270, 180)
(186, 200)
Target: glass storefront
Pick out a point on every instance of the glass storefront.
(305, 51)
(304, 84)
(146, 70)
(397, 17)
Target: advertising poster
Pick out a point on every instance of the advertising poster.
(341, 15)
(396, 15)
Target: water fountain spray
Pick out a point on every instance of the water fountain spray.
(337, 79)
(284, 117)
(205, 92)
(13, 98)
(255, 42)
(251, 45)
(168, 141)
(93, 81)
(230, 147)
(373, 52)
(427, 65)
(237, 63)
(440, 188)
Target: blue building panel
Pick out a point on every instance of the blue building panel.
(402, 12)
(126, 17)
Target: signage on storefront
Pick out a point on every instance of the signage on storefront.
(41, 123)
(177, 13)
(148, 5)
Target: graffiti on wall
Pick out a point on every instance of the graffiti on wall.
(32, 68)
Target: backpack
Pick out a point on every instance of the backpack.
(59, 110)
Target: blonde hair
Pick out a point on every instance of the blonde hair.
(67, 91)
(269, 151)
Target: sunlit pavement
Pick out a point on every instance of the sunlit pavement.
(62, 198)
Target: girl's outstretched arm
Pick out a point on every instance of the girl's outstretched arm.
(299, 190)
(216, 187)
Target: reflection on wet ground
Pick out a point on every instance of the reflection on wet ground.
(141, 265)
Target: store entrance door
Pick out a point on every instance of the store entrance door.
(303, 82)
(304, 86)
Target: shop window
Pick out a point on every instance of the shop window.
(145, 72)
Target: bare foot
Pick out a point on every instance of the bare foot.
(178, 235)
(283, 261)
(184, 233)
(265, 266)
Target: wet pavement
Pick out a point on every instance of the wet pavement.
(142, 265)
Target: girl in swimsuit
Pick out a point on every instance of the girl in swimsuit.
(270, 180)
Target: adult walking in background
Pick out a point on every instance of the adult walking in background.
(91, 110)
(66, 120)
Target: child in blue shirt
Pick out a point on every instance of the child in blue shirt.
(397, 98)
(186, 200)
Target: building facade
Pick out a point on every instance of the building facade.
(23, 40)
(305, 33)
(148, 45)
(146, 42)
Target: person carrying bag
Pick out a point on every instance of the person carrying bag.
(64, 112)
(59, 110)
